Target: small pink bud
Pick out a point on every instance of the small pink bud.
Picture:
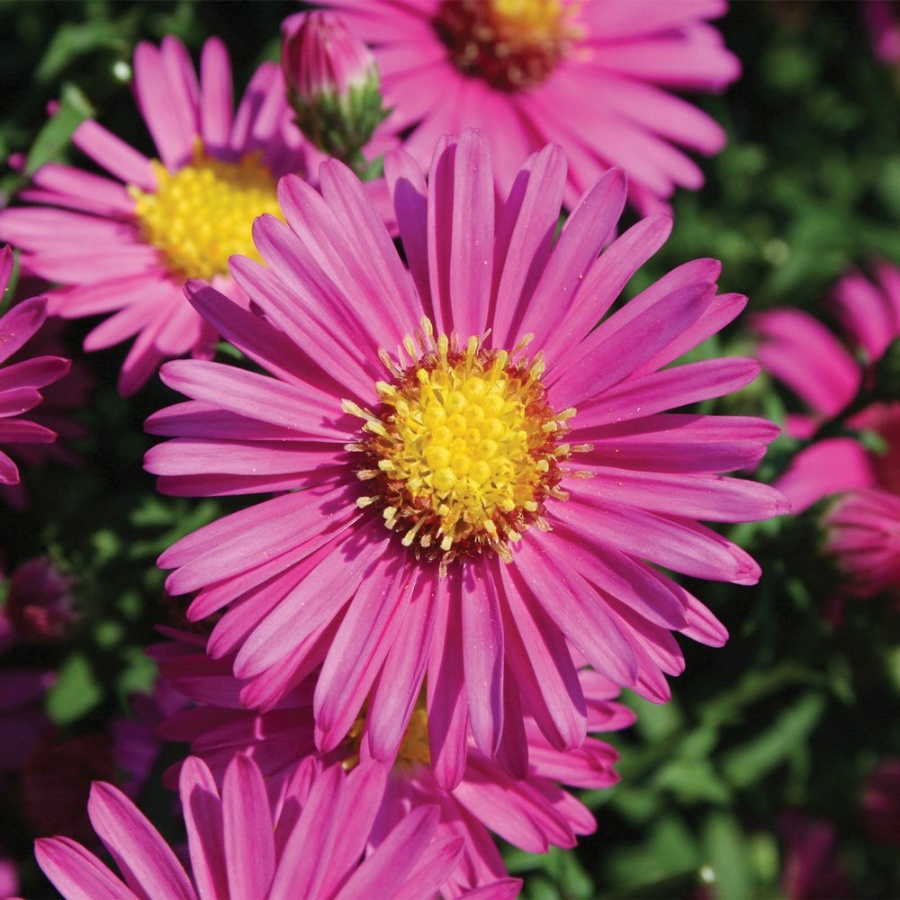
(332, 83)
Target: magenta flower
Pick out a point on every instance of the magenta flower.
(128, 248)
(473, 481)
(39, 602)
(881, 802)
(882, 20)
(594, 77)
(863, 533)
(21, 381)
(533, 813)
(242, 847)
(821, 370)
(812, 868)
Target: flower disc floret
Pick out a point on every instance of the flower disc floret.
(511, 44)
(199, 215)
(464, 449)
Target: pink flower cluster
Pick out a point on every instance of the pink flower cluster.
(475, 498)
(851, 389)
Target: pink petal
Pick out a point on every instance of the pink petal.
(117, 157)
(249, 844)
(446, 702)
(365, 637)
(202, 809)
(149, 866)
(406, 847)
(660, 391)
(585, 232)
(400, 680)
(217, 104)
(609, 354)
(19, 324)
(164, 103)
(483, 651)
(76, 872)
(409, 192)
(525, 230)
(542, 665)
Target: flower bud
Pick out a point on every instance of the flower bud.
(862, 532)
(332, 83)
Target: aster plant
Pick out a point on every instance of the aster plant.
(125, 245)
(473, 485)
(594, 77)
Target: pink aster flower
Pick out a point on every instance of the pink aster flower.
(125, 245)
(240, 846)
(473, 479)
(533, 813)
(593, 76)
(21, 381)
(821, 369)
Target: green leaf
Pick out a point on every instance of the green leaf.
(74, 40)
(76, 691)
(726, 848)
(747, 764)
(56, 135)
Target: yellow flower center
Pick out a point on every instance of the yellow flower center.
(414, 749)
(201, 214)
(464, 450)
(512, 44)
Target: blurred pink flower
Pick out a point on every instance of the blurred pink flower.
(533, 813)
(453, 504)
(240, 846)
(21, 380)
(39, 602)
(128, 248)
(862, 530)
(811, 869)
(595, 77)
(882, 18)
(881, 802)
(821, 370)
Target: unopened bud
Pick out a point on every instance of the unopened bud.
(332, 83)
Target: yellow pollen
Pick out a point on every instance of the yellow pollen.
(464, 450)
(534, 21)
(201, 214)
(414, 748)
(511, 44)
